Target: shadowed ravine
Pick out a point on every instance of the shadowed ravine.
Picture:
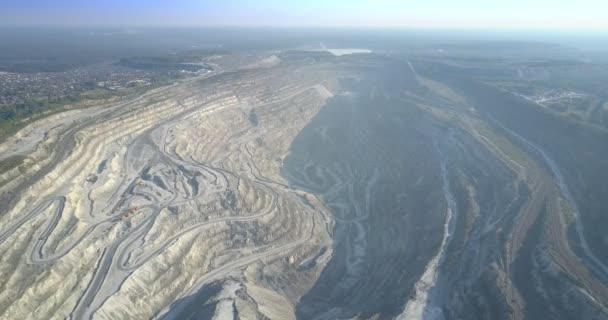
(302, 185)
(354, 154)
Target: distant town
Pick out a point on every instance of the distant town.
(18, 88)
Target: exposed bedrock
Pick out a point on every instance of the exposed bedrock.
(308, 186)
(137, 207)
(372, 160)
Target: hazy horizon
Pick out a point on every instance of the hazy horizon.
(433, 14)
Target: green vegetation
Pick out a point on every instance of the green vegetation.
(166, 69)
(187, 56)
(56, 64)
(16, 116)
(10, 163)
(186, 60)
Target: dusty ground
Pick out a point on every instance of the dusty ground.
(295, 185)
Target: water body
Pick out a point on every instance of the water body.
(346, 51)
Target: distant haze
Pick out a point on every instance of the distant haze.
(513, 14)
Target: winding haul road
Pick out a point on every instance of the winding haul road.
(318, 208)
(595, 263)
(141, 178)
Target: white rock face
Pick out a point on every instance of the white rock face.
(149, 201)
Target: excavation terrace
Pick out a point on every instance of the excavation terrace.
(298, 184)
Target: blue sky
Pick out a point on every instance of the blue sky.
(511, 14)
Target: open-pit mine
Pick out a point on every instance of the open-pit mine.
(310, 185)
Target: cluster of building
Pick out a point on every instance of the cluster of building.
(17, 88)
